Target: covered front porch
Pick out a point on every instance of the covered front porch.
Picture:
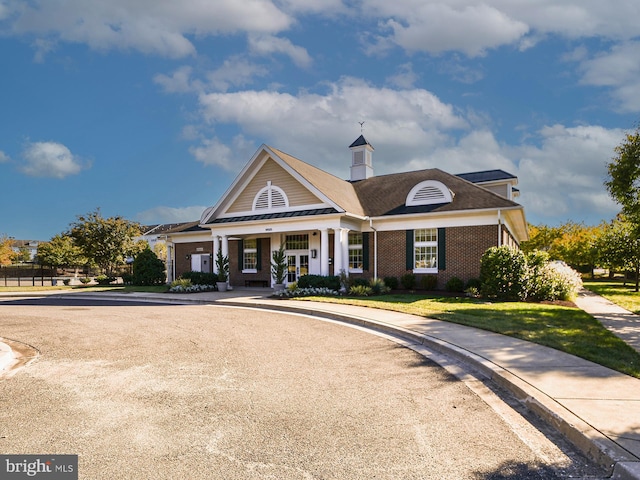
(324, 251)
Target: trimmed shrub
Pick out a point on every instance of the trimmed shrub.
(200, 278)
(105, 280)
(408, 281)
(148, 269)
(391, 282)
(362, 282)
(429, 282)
(454, 284)
(504, 273)
(331, 282)
(474, 283)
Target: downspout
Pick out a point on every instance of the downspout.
(375, 248)
(499, 229)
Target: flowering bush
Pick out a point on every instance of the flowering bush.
(184, 285)
(508, 274)
(306, 292)
(555, 281)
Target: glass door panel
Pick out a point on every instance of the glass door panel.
(291, 269)
(304, 265)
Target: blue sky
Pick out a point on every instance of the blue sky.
(148, 109)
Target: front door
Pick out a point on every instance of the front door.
(297, 266)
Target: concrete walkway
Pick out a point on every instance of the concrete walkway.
(623, 323)
(598, 409)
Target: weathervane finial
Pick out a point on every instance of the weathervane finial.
(361, 126)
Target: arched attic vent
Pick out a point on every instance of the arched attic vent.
(269, 198)
(429, 192)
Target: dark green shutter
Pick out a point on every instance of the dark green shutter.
(409, 250)
(240, 255)
(365, 251)
(442, 253)
(259, 254)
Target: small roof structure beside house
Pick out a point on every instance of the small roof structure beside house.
(426, 222)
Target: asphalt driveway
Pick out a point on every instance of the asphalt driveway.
(203, 392)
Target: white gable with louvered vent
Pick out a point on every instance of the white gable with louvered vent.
(429, 192)
(270, 198)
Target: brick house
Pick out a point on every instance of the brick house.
(426, 222)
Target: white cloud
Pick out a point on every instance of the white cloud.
(50, 159)
(213, 152)
(565, 174)
(4, 157)
(234, 72)
(170, 215)
(178, 82)
(470, 27)
(151, 26)
(619, 69)
(269, 44)
(398, 118)
(404, 78)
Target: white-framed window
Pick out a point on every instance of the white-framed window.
(250, 255)
(297, 242)
(425, 250)
(355, 252)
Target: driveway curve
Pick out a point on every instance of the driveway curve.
(207, 392)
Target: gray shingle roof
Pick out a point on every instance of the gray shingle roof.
(387, 194)
(486, 176)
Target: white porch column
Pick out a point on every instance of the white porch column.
(324, 252)
(225, 245)
(341, 249)
(344, 240)
(171, 272)
(216, 247)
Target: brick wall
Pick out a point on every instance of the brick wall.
(183, 263)
(464, 249)
(236, 277)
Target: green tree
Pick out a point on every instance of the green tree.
(577, 246)
(624, 178)
(148, 269)
(6, 250)
(60, 251)
(620, 247)
(106, 241)
(23, 255)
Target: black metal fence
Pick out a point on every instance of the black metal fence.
(25, 275)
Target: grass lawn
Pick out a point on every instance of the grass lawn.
(564, 328)
(618, 293)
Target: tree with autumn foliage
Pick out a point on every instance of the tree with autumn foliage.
(6, 250)
(576, 244)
